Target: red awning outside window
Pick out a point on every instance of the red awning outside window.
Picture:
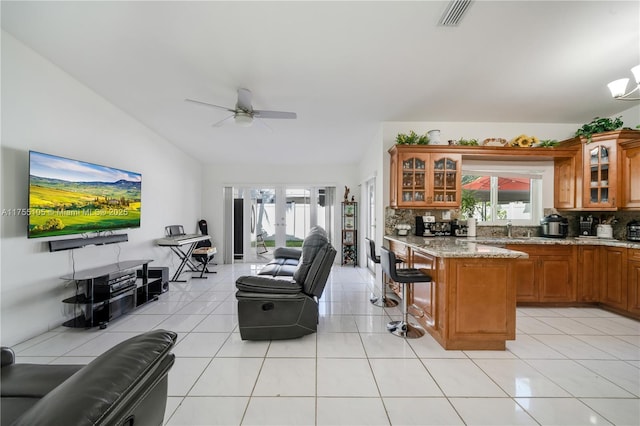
(509, 188)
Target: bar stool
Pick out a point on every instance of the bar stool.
(382, 301)
(402, 276)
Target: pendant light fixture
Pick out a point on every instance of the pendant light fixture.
(618, 87)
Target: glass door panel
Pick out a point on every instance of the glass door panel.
(599, 175)
(297, 216)
(414, 180)
(277, 216)
(445, 181)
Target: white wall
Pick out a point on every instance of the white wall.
(216, 177)
(630, 117)
(45, 109)
(372, 165)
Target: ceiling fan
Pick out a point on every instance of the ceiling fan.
(243, 113)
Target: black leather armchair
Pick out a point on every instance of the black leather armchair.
(270, 308)
(127, 385)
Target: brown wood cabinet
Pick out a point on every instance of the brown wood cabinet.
(613, 291)
(600, 178)
(564, 181)
(422, 178)
(423, 295)
(633, 281)
(588, 288)
(630, 172)
(548, 275)
(604, 175)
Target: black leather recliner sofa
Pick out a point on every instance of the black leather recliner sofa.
(271, 308)
(127, 385)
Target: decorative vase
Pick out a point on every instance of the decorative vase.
(434, 137)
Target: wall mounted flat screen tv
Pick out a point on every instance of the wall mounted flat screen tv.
(75, 197)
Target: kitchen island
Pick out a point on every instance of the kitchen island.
(471, 301)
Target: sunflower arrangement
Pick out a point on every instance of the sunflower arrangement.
(524, 141)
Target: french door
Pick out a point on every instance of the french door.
(277, 216)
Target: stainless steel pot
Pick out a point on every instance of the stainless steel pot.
(554, 226)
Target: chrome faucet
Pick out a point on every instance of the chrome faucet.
(509, 229)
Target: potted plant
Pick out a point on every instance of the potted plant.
(468, 203)
(412, 139)
(599, 125)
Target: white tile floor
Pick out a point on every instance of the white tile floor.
(568, 366)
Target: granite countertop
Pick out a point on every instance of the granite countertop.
(576, 241)
(487, 246)
(451, 247)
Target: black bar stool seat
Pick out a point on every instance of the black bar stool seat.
(381, 301)
(403, 276)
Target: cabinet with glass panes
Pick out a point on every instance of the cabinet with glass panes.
(420, 178)
(600, 181)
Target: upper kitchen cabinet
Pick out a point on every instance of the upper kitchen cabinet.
(422, 178)
(630, 172)
(604, 174)
(600, 180)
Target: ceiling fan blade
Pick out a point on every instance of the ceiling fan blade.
(244, 100)
(264, 123)
(219, 123)
(208, 104)
(274, 114)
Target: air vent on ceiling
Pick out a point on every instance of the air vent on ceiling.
(454, 13)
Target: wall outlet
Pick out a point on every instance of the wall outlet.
(446, 215)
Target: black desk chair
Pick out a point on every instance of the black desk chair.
(402, 276)
(381, 301)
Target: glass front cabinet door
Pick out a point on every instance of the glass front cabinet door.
(413, 179)
(600, 175)
(446, 179)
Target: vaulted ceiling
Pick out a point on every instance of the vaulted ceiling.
(343, 67)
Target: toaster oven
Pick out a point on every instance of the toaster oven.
(633, 231)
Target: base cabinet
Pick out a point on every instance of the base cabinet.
(613, 291)
(423, 295)
(524, 275)
(633, 281)
(588, 288)
(548, 275)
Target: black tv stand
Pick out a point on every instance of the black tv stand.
(106, 292)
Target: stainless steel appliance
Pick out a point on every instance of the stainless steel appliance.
(554, 226)
(633, 230)
(426, 226)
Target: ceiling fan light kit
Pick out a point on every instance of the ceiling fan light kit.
(243, 119)
(618, 87)
(243, 113)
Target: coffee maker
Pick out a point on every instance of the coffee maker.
(425, 226)
(588, 226)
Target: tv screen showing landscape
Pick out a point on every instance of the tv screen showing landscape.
(74, 197)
